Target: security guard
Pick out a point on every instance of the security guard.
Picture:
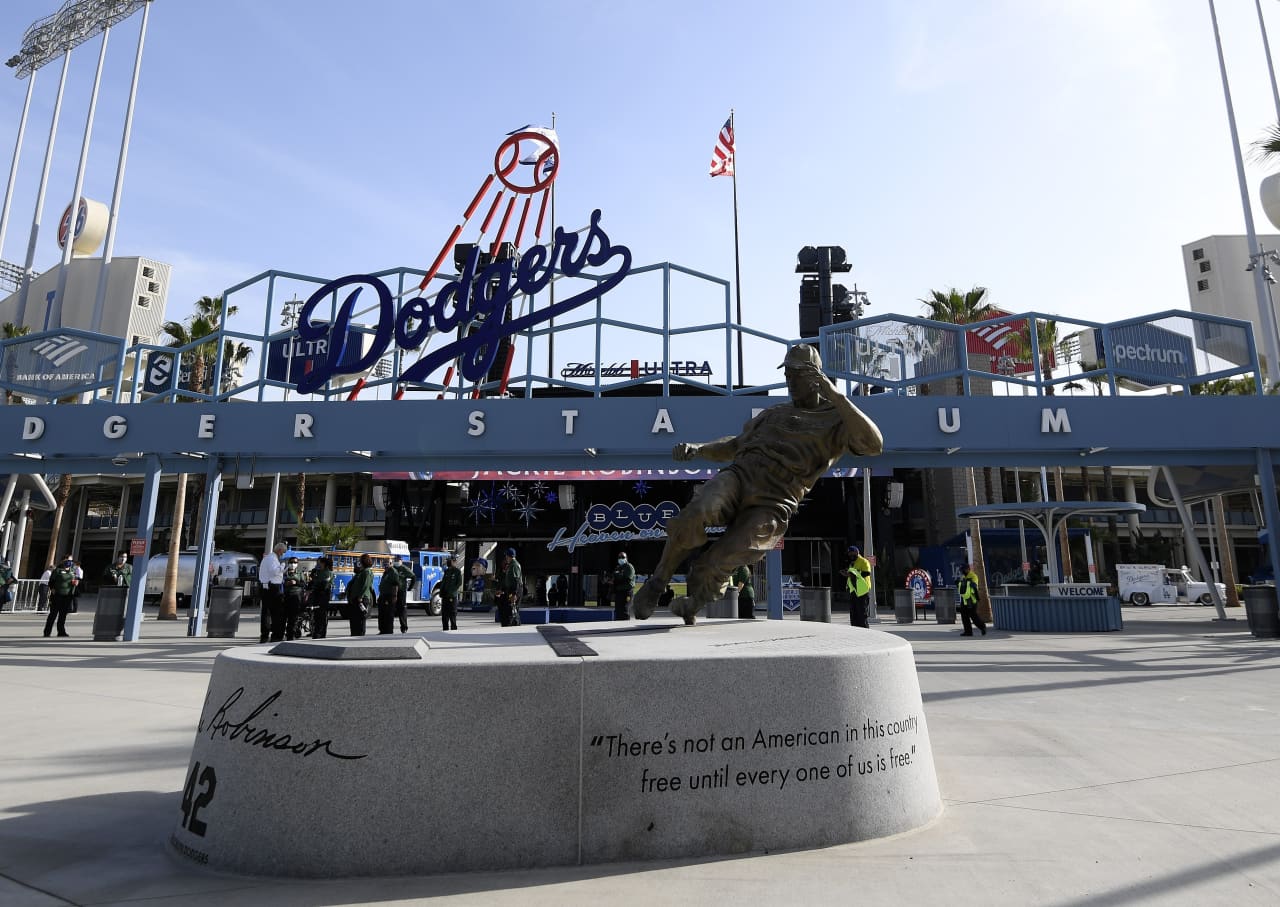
(623, 584)
(858, 584)
(293, 589)
(119, 573)
(389, 591)
(968, 590)
(407, 579)
(510, 585)
(62, 587)
(319, 591)
(450, 587)
(360, 595)
(741, 580)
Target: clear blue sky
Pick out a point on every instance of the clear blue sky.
(1059, 153)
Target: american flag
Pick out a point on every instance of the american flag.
(722, 156)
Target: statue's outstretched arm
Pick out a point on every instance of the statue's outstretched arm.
(721, 451)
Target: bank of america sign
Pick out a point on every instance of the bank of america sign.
(57, 363)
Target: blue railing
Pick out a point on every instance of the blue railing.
(892, 353)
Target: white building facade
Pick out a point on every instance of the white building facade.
(1217, 282)
(133, 309)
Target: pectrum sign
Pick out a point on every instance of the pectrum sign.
(1144, 353)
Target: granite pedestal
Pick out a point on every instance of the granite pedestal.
(536, 746)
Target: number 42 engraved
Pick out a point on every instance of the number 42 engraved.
(193, 802)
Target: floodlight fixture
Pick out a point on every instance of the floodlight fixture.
(75, 22)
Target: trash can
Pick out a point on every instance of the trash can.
(224, 611)
(1260, 609)
(944, 605)
(108, 617)
(815, 604)
(904, 606)
(726, 605)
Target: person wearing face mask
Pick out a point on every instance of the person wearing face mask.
(624, 583)
(62, 587)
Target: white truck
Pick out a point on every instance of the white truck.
(1142, 584)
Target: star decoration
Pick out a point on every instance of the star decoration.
(551, 497)
(510, 491)
(539, 490)
(641, 488)
(483, 504)
(528, 510)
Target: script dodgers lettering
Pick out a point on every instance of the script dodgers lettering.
(459, 303)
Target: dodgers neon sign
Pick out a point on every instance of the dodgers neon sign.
(483, 296)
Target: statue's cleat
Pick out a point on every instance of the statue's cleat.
(685, 607)
(644, 601)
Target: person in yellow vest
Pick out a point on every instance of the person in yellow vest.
(968, 591)
(858, 585)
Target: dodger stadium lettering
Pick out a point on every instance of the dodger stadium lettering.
(305, 425)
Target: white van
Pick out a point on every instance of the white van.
(1143, 584)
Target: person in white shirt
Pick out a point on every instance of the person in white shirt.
(271, 576)
(75, 597)
(43, 589)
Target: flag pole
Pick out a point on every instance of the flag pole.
(737, 264)
(551, 284)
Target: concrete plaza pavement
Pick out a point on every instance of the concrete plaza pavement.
(1136, 767)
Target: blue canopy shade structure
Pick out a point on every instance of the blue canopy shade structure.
(1047, 516)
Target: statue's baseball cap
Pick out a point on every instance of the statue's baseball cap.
(801, 355)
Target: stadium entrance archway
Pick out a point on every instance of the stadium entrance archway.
(931, 412)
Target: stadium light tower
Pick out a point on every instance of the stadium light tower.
(1267, 316)
(75, 22)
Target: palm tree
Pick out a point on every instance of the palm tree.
(234, 357)
(61, 495)
(1228, 386)
(9, 331)
(327, 535)
(1264, 149)
(954, 307)
(203, 325)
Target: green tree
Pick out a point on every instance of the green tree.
(10, 330)
(1247, 384)
(1268, 147)
(327, 535)
(954, 307)
(234, 354)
